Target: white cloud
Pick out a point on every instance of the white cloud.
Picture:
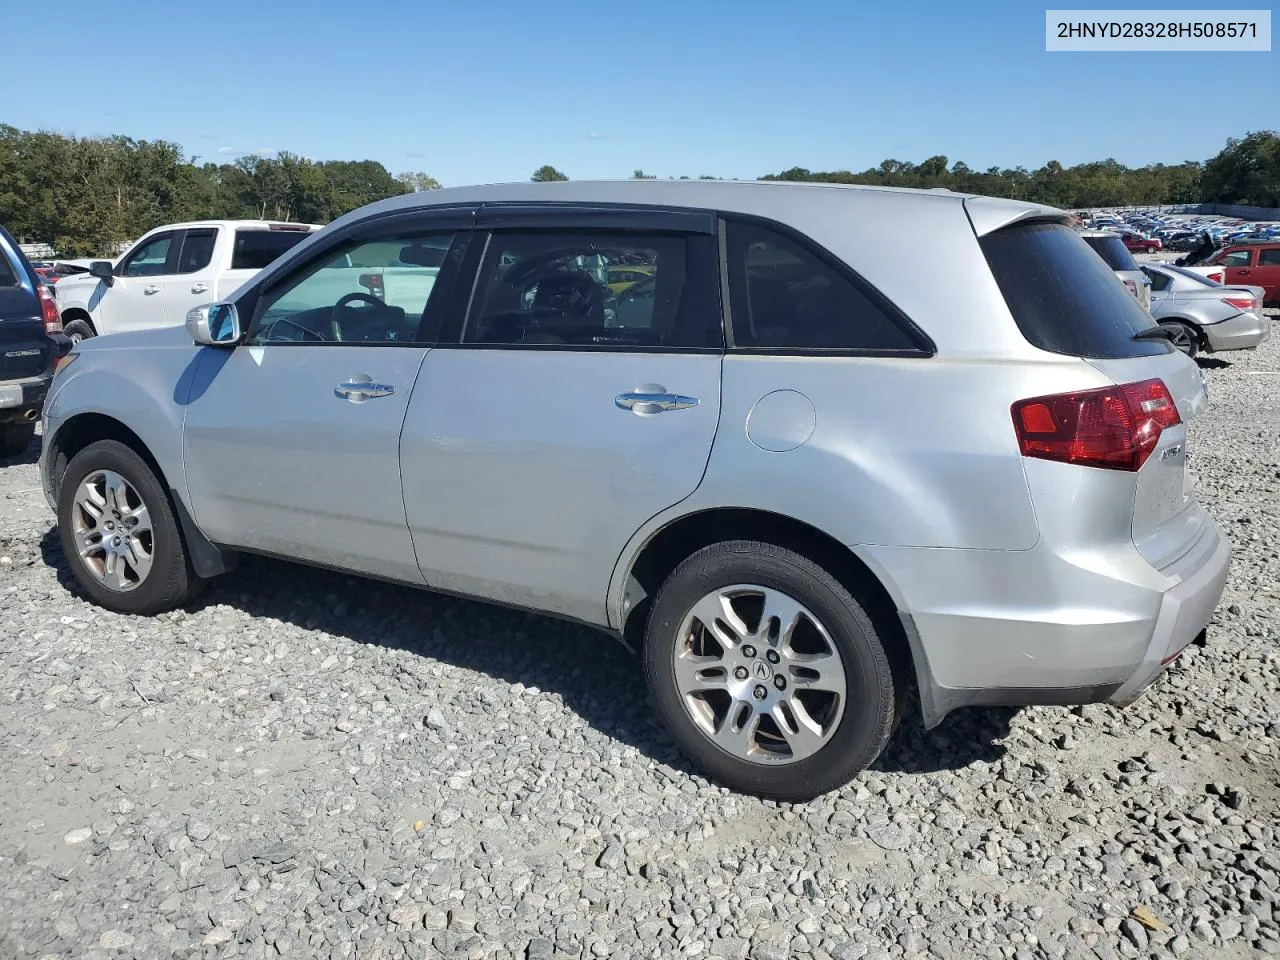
(596, 136)
(226, 149)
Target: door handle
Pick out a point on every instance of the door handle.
(151, 289)
(199, 288)
(650, 398)
(360, 389)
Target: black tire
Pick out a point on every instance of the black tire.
(869, 707)
(79, 330)
(1188, 338)
(170, 582)
(16, 437)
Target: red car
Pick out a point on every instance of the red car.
(1253, 265)
(1138, 244)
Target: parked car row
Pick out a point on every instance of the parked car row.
(799, 480)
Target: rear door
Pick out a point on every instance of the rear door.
(24, 348)
(252, 248)
(189, 281)
(1267, 272)
(563, 416)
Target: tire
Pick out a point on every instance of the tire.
(1185, 338)
(855, 725)
(16, 437)
(168, 580)
(78, 330)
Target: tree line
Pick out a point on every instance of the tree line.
(85, 195)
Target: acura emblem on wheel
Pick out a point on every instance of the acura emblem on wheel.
(761, 670)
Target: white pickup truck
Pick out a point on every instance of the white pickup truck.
(169, 271)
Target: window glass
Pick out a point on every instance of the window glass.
(197, 250)
(254, 249)
(1269, 258)
(1113, 251)
(149, 259)
(373, 292)
(784, 295)
(1239, 258)
(1159, 281)
(1063, 298)
(8, 277)
(566, 288)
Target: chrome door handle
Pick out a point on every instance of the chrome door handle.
(650, 398)
(151, 289)
(199, 288)
(358, 391)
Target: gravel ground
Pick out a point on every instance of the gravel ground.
(304, 764)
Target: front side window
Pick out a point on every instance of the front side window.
(197, 250)
(149, 259)
(372, 292)
(1237, 258)
(564, 289)
(784, 295)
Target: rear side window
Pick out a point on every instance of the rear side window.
(197, 250)
(1269, 258)
(784, 295)
(1064, 298)
(1113, 251)
(1158, 280)
(8, 278)
(254, 249)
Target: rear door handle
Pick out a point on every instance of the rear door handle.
(151, 289)
(650, 398)
(199, 288)
(360, 389)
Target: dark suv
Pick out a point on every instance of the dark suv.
(31, 344)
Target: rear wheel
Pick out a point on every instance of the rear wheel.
(78, 330)
(119, 534)
(1183, 337)
(15, 438)
(769, 674)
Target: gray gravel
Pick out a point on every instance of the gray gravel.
(308, 765)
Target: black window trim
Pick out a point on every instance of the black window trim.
(419, 221)
(182, 246)
(523, 217)
(925, 347)
(170, 260)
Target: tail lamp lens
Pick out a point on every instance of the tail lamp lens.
(48, 310)
(1115, 428)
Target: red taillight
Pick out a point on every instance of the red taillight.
(1115, 427)
(48, 310)
(373, 283)
(1132, 287)
(1218, 276)
(1241, 303)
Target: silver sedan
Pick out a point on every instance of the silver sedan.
(1201, 314)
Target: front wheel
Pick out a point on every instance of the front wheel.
(1183, 337)
(768, 673)
(119, 534)
(78, 330)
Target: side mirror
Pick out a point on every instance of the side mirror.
(214, 325)
(102, 270)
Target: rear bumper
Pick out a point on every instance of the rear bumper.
(1242, 332)
(23, 399)
(1037, 627)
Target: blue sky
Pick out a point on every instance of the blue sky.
(486, 91)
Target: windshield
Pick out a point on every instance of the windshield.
(1113, 251)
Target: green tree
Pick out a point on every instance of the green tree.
(1247, 171)
(547, 174)
(415, 181)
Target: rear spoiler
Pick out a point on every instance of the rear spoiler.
(989, 214)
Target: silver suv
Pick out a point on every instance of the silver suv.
(834, 444)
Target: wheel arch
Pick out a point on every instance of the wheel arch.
(1186, 321)
(641, 573)
(72, 314)
(81, 430)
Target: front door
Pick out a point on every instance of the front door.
(135, 300)
(568, 414)
(1239, 267)
(291, 441)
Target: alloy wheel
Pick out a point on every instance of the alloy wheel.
(759, 674)
(112, 529)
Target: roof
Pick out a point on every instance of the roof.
(757, 197)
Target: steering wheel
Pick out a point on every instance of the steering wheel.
(334, 326)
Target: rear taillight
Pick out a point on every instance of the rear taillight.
(48, 310)
(1131, 286)
(373, 283)
(1218, 276)
(1115, 427)
(1241, 303)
